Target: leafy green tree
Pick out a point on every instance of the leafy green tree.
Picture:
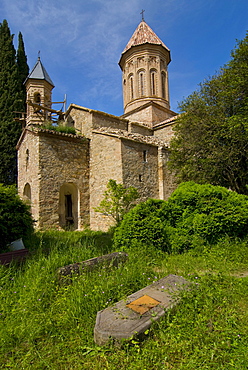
(15, 217)
(211, 134)
(12, 99)
(117, 201)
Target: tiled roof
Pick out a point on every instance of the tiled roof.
(122, 134)
(142, 35)
(39, 73)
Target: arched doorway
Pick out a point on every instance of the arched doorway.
(68, 206)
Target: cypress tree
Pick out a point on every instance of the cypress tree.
(23, 71)
(12, 98)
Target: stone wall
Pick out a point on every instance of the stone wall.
(81, 119)
(85, 120)
(101, 119)
(149, 114)
(28, 169)
(105, 164)
(47, 161)
(64, 160)
(167, 181)
(137, 128)
(140, 168)
(165, 131)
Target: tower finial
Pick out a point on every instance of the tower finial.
(39, 55)
(142, 13)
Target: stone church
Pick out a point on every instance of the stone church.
(64, 176)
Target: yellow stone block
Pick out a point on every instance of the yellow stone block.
(143, 304)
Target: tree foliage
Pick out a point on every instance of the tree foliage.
(13, 71)
(117, 201)
(211, 134)
(23, 71)
(15, 217)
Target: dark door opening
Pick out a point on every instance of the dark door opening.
(68, 210)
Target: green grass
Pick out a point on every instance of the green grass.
(59, 128)
(45, 325)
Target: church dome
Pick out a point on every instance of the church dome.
(143, 35)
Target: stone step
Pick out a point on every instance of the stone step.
(134, 315)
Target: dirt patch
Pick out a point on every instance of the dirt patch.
(241, 274)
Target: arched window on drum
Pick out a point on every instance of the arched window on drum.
(153, 77)
(131, 87)
(142, 83)
(163, 82)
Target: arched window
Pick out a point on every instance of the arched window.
(142, 83)
(37, 98)
(163, 82)
(153, 82)
(27, 158)
(131, 87)
(145, 155)
(27, 192)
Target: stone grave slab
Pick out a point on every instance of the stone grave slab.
(135, 314)
(65, 273)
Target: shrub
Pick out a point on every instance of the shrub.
(194, 213)
(142, 226)
(209, 211)
(117, 200)
(15, 218)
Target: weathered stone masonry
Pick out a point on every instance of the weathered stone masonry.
(64, 176)
(57, 164)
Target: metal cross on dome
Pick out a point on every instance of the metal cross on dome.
(142, 13)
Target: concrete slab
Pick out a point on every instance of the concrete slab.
(135, 314)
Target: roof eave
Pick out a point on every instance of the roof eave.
(146, 43)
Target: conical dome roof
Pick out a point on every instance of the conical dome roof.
(144, 35)
(39, 73)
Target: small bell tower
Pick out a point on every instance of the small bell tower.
(39, 94)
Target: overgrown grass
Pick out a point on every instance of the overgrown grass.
(45, 325)
(59, 128)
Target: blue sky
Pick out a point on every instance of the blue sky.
(81, 41)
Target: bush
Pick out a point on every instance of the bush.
(117, 200)
(142, 226)
(15, 218)
(209, 211)
(193, 214)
